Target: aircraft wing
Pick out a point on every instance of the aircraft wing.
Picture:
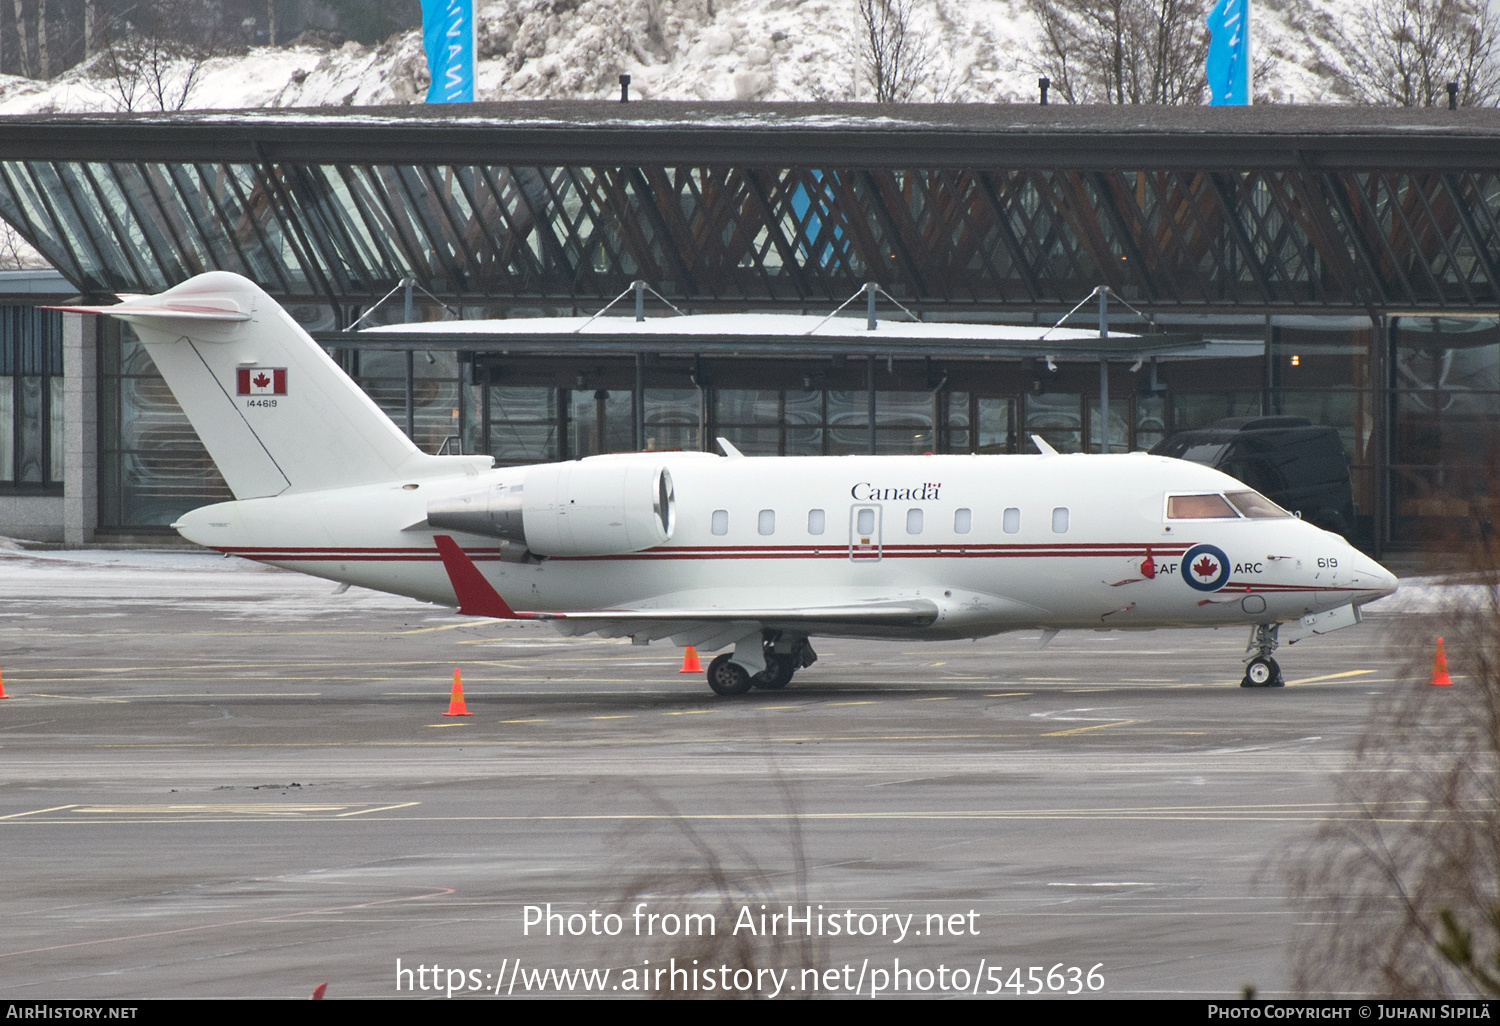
(697, 626)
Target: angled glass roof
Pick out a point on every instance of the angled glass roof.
(1007, 222)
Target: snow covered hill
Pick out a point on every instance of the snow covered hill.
(984, 51)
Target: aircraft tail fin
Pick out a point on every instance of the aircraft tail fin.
(274, 411)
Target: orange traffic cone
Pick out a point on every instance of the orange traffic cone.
(2, 687)
(456, 705)
(319, 991)
(689, 661)
(1440, 668)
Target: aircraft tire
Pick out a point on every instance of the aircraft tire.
(1262, 672)
(777, 674)
(726, 678)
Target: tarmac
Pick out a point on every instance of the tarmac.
(222, 780)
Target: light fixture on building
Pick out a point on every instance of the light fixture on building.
(1296, 359)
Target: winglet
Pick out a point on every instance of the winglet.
(1042, 446)
(476, 596)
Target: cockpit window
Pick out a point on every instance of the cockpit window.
(1199, 507)
(1256, 506)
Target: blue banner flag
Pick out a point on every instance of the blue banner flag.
(448, 37)
(1228, 63)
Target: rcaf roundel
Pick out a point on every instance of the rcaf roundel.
(1205, 567)
(262, 381)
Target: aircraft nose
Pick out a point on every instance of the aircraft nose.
(1373, 580)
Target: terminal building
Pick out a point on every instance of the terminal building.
(1336, 263)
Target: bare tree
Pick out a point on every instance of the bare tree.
(1405, 52)
(1402, 883)
(14, 250)
(151, 67)
(1123, 51)
(893, 55)
(23, 47)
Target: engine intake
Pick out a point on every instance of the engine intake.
(602, 506)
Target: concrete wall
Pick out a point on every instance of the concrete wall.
(32, 517)
(79, 513)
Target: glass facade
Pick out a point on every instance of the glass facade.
(152, 467)
(1446, 427)
(31, 401)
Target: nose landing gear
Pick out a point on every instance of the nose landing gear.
(1261, 671)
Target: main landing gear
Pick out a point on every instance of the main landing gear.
(784, 655)
(1261, 671)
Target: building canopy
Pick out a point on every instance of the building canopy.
(984, 208)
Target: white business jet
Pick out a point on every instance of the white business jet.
(760, 554)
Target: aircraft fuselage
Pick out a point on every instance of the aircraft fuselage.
(997, 543)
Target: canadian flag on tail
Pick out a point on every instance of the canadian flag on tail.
(262, 381)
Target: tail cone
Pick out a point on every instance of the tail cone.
(456, 699)
(1440, 676)
(690, 661)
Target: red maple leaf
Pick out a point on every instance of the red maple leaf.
(261, 381)
(1148, 568)
(1205, 567)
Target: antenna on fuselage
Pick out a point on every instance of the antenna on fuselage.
(1042, 446)
(729, 449)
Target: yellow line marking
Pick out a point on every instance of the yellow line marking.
(851, 703)
(236, 808)
(36, 812)
(543, 720)
(1329, 676)
(434, 725)
(445, 627)
(1081, 730)
(378, 808)
(622, 716)
(1009, 694)
(939, 698)
(689, 712)
(781, 707)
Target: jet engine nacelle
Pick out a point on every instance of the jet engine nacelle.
(603, 506)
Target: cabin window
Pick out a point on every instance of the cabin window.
(1060, 520)
(720, 522)
(963, 520)
(1199, 507)
(767, 521)
(1012, 520)
(914, 520)
(816, 521)
(1255, 506)
(864, 522)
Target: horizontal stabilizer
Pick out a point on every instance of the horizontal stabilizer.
(148, 307)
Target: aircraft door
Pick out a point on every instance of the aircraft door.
(864, 533)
